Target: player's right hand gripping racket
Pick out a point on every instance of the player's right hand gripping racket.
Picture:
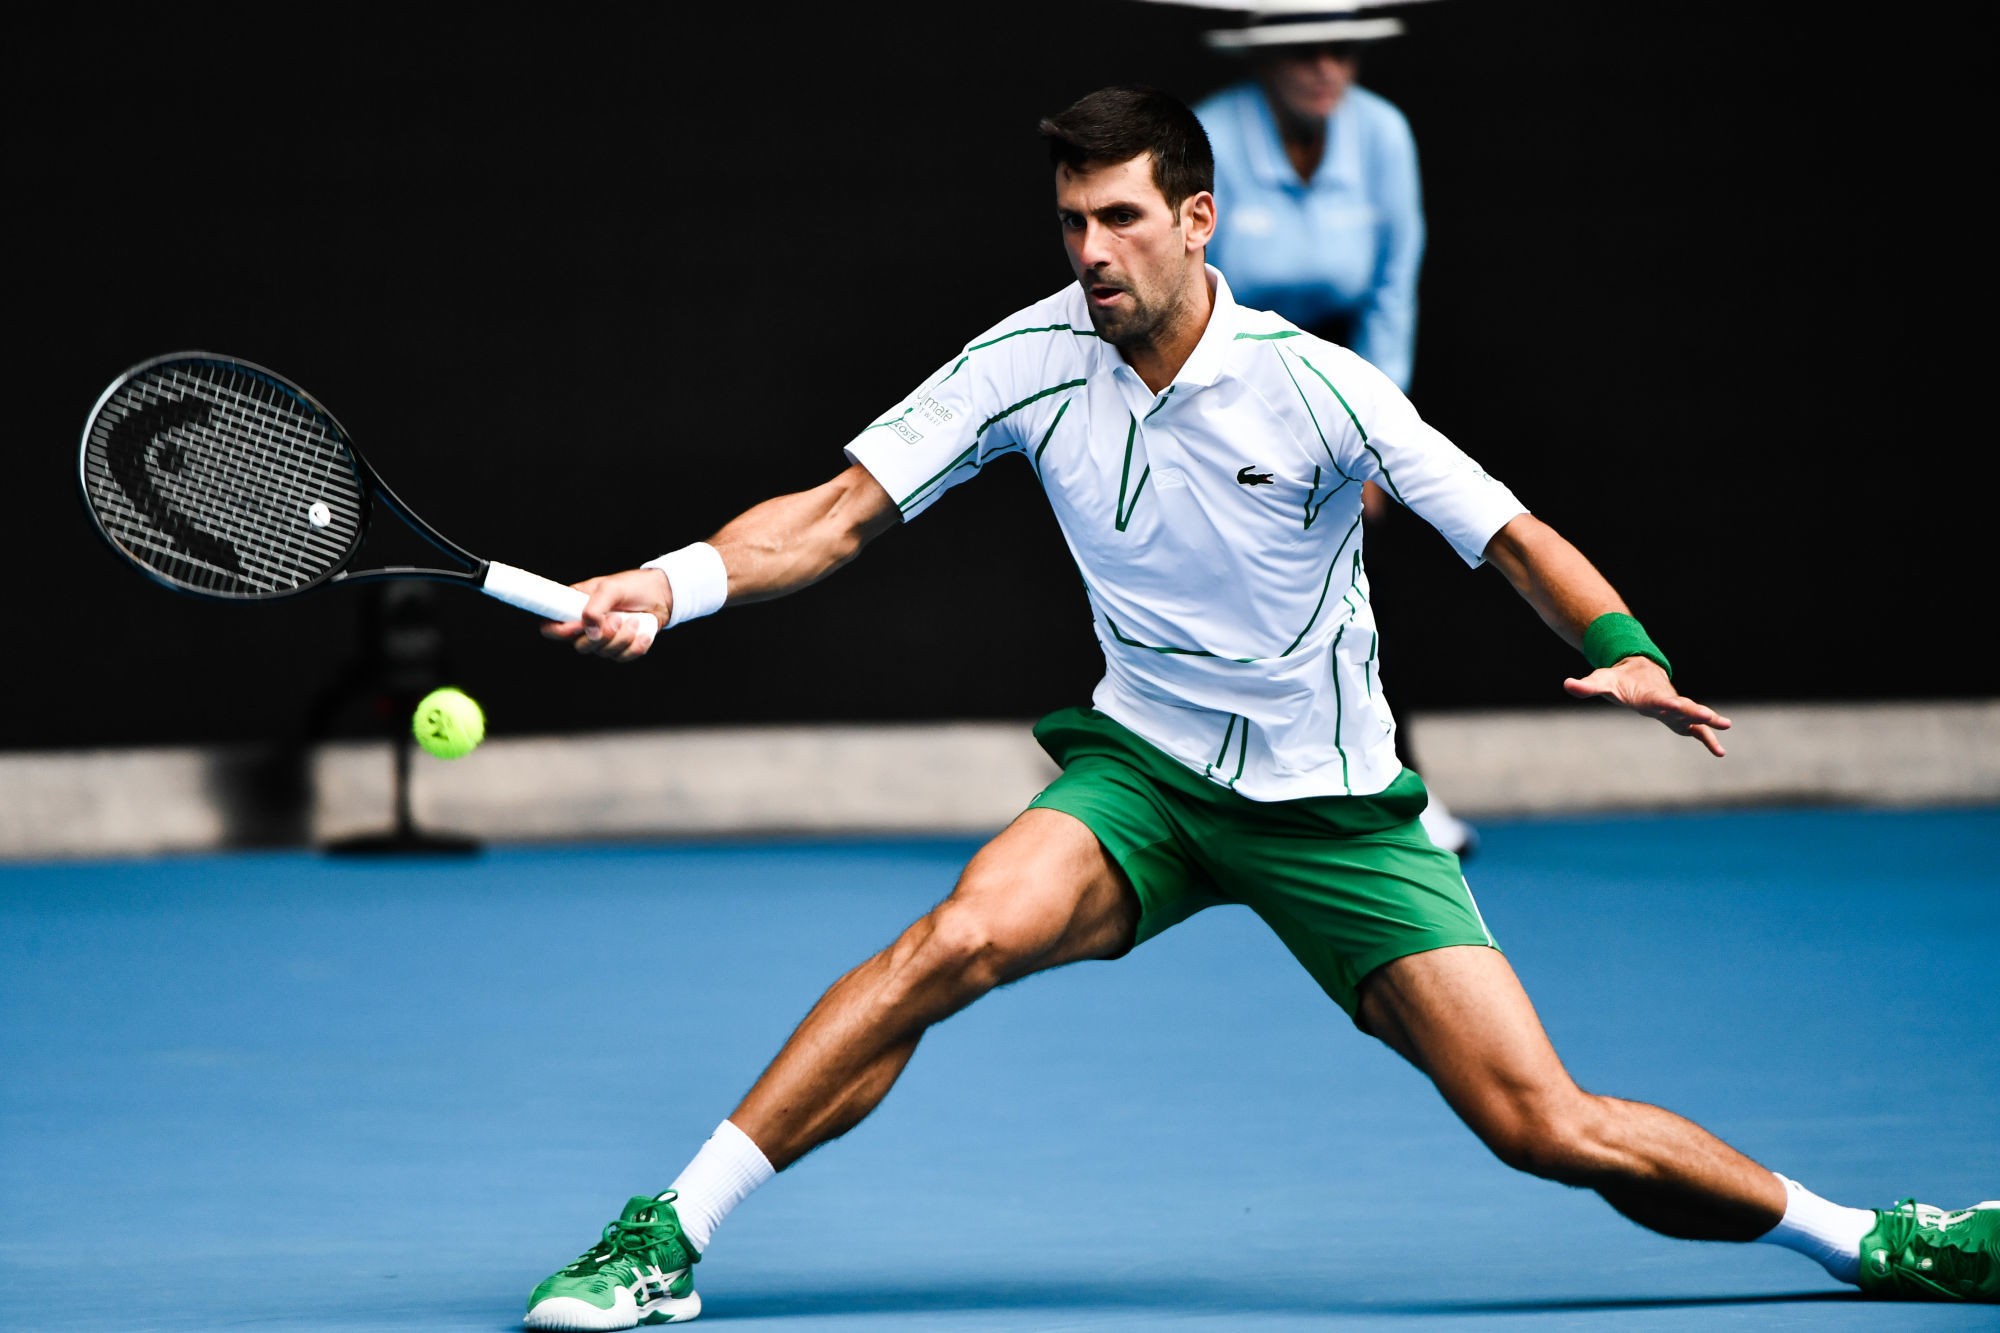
(223, 479)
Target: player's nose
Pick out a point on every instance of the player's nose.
(1092, 246)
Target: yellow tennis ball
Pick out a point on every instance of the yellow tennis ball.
(449, 723)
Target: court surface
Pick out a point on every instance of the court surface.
(301, 1091)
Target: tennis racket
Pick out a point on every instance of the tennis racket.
(223, 479)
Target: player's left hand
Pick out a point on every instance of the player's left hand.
(1639, 683)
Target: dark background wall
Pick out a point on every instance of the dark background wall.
(1704, 285)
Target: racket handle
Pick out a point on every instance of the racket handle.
(555, 601)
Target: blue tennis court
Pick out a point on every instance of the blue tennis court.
(299, 1091)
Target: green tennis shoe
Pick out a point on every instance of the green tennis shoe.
(1920, 1253)
(640, 1272)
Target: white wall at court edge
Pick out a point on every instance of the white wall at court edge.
(946, 778)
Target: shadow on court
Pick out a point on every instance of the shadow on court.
(1206, 1298)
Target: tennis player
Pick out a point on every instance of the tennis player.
(1205, 462)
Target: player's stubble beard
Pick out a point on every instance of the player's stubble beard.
(1150, 319)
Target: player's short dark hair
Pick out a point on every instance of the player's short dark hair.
(1116, 124)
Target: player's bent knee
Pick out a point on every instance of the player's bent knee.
(963, 950)
(1552, 1142)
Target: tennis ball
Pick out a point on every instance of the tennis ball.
(449, 723)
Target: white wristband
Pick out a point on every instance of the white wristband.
(698, 579)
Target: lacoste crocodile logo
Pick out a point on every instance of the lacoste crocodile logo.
(1246, 477)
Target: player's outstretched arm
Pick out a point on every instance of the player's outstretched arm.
(1570, 595)
(776, 547)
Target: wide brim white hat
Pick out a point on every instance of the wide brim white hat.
(1270, 23)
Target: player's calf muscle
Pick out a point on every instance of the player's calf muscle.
(1657, 1168)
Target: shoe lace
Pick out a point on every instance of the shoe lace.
(1950, 1267)
(625, 1240)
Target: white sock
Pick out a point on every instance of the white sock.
(1828, 1232)
(722, 1175)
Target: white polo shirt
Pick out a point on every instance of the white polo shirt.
(1217, 524)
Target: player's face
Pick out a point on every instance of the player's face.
(1131, 254)
(1307, 82)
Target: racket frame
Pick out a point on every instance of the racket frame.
(507, 583)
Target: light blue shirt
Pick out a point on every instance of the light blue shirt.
(1348, 243)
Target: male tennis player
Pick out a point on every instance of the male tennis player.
(1205, 462)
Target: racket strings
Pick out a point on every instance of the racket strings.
(223, 481)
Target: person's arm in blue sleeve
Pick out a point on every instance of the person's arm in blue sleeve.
(1385, 329)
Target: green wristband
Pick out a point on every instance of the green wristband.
(1614, 636)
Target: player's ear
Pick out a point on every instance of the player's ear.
(1198, 219)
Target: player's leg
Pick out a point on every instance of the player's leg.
(1384, 921)
(1042, 893)
(1460, 1015)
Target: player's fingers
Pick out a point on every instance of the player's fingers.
(1687, 712)
(628, 636)
(642, 627)
(1688, 718)
(616, 623)
(600, 612)
(1588, 687)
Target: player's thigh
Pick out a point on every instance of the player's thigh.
(1042, 893)
(1462, 1016)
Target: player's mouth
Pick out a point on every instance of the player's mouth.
(1103, 293)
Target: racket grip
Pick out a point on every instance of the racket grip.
(555, 601)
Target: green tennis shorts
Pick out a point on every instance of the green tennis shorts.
(1347, 882)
